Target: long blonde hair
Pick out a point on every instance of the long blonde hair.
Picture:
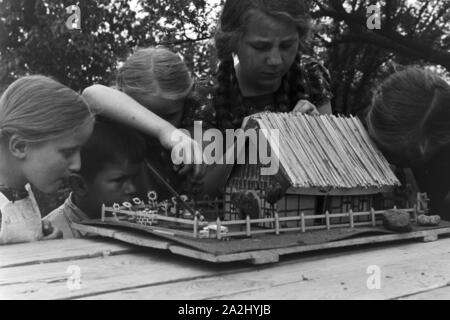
(41, 109)
(157, 72)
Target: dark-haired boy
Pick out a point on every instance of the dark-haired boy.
(111, 160)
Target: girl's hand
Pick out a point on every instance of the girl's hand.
(50, 232)
(306, 107)
(186, 154)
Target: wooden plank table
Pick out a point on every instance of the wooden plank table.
(110, 269)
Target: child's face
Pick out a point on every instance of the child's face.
(47, 164)
(115, 183)
(169, 110)
(266, 52)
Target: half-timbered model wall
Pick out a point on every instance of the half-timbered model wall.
(327, 163)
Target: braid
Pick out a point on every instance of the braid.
(238, 110)
(282, 102)
(298, 87)
(229, 104)
(222, 101)
(292, 87)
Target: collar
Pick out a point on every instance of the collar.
(13, 194)
(75, 214)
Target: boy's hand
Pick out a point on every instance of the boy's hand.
(186, 155)
(50, 232)
(306, 107)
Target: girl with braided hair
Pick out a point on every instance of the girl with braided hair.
(261, 68)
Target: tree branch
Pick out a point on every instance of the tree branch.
(188, 40)
(388, 39)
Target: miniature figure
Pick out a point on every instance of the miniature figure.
(423, 220)
(210, 231)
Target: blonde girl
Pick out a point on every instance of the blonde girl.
(43, 125)
(153, 95)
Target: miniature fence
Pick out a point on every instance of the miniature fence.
(247, 223)
(372, 214)
(154, 217)
(294, 204)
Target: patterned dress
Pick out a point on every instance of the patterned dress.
(316, 88)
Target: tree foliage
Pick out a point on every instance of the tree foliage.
(34, 39)
(412, 33)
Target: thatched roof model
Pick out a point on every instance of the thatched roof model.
(326, 152)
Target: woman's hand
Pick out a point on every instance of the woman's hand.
(306, 107)
(186, 153)
(50, 232)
